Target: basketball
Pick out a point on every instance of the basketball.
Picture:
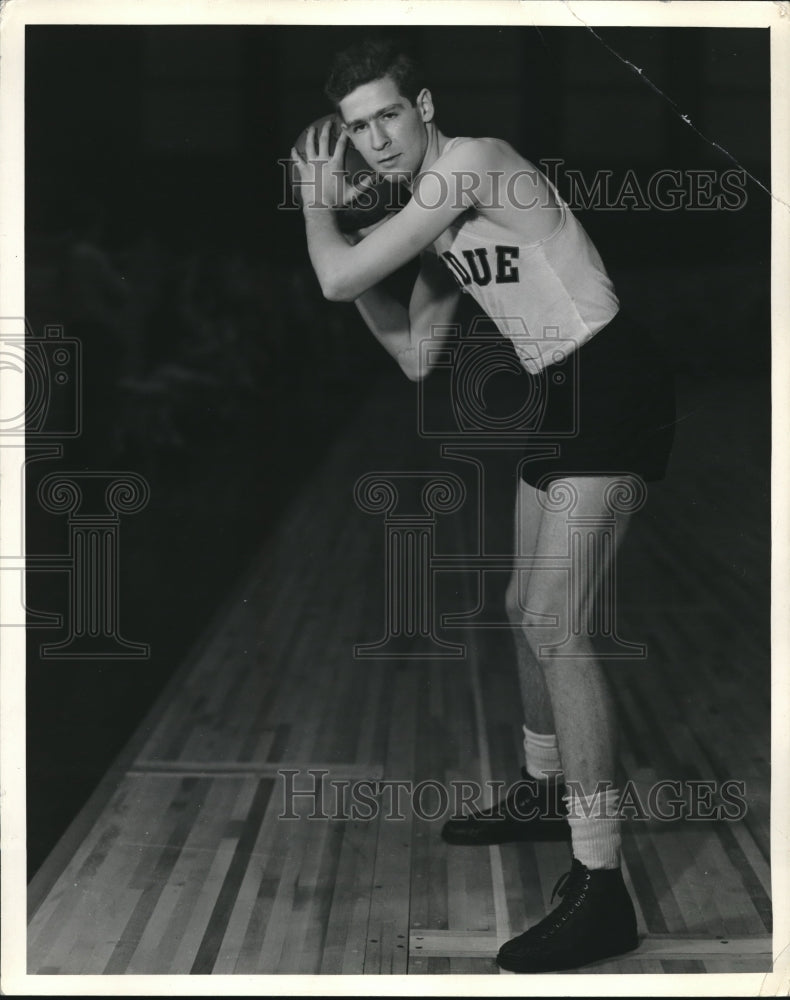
(370, 206)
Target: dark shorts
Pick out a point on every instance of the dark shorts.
(610, 410)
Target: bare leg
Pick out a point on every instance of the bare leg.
(595, 918)
(581, 702)
(534, 693)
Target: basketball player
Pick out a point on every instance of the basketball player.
(486, 222)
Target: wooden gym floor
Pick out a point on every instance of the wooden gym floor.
(181, 864)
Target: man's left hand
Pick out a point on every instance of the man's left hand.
(323, 177)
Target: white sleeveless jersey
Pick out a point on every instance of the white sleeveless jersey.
(547, 297)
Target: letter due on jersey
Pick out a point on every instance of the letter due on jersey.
(477, 265)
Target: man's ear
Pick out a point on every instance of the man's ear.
(424, 104)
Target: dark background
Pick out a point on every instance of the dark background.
(220, 374)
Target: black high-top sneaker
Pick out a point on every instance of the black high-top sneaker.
(595, 920)
(532, 810)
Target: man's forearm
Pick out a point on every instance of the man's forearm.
(327, 247)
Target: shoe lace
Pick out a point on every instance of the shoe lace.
(571, 887)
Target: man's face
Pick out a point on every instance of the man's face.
(388, 131)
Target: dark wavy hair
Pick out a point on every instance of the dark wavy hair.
(371, 60)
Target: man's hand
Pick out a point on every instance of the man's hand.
(323, 177)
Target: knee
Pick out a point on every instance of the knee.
(543, 617)
(533, 611)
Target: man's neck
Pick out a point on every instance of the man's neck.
(436, 143)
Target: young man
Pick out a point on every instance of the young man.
(486, 222)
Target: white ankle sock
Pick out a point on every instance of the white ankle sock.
(595, 828)
(541, 754)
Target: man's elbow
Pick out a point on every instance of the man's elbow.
(413, 370)
(336, 290)
(333, 294)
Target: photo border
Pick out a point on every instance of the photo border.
(14, 16)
